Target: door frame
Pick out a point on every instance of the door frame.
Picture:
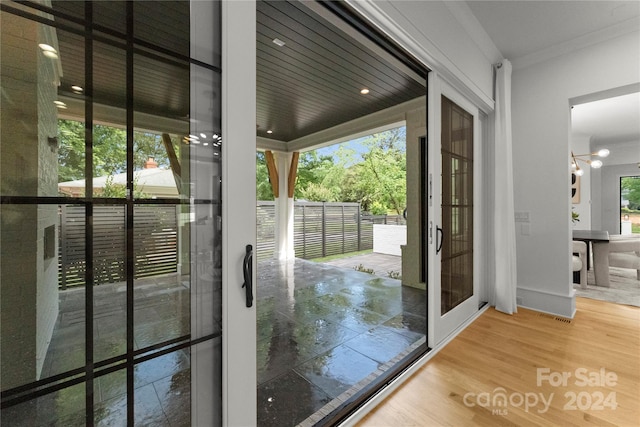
(444, 327)
(239, 375)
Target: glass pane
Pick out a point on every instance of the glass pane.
(110, 120)
(206, 223)
(110, 14)
(161, 295)
(167, 26)
(32, 67)
(161, 102)
(43, 294)
(109, 279)
(61, 408)
(110, 399)
(457, 206)
(48, 101)
(71, 116)
(162, 393)
(630, 205)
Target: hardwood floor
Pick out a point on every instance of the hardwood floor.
(523, 358)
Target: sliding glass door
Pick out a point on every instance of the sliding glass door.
(114, 219)
(456, 292)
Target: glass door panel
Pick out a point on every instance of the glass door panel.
(457, 206)
(112, 215)
(456, 292)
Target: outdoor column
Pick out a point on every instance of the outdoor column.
(284, 248)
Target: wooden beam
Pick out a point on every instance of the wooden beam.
(293, 173)
(273, 173)
(171, 154)
(173, 161)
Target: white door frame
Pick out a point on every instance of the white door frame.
(441, 327)
(239, 376)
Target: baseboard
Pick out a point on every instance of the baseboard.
(547, 302)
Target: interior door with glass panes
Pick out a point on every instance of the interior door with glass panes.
(454, 273)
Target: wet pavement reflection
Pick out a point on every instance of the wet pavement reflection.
(322, 330)
(162, 385)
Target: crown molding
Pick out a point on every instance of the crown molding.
(464, 15)
(614, 31)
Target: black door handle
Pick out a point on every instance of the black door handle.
(247, 272)
(441, 233)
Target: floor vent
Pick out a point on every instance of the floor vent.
(558, 318)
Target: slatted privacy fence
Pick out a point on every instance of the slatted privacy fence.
(320, 229)
(155, 243)
(266, 229)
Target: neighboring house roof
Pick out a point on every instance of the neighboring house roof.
(154, 182)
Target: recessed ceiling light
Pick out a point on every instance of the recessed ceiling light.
(364, 91)
(77, 88)
(48, 51)
(269, 131)
(203, 135)
(279, 42)
(194, 136)
(47, 47)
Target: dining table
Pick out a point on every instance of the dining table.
(589, 237)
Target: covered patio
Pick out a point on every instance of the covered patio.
(323, 332)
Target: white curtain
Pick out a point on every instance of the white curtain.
(504, 292)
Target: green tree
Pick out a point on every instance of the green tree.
(630, 187)
(109, 150)
(118, 190)
(378, 182)
(71, 150)
(263, 185)
(313, 168)
(375, 178)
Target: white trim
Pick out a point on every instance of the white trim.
(547, 302)
(425, 51)
(463, 14)
(605, 94)
(264, 144)
(379, 121)
(239, 376)
(459, 314)
(581, 42)
(359, 414)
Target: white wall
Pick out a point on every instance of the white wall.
(607, 183)
(581, 145)
(388, 238)
(541, 132)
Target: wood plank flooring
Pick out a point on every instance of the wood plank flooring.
(523, 358)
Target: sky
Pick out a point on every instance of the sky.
(355, 145)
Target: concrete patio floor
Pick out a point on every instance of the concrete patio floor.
(321, 329)
(381, 264)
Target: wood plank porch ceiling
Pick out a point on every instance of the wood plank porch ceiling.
(310, 84)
